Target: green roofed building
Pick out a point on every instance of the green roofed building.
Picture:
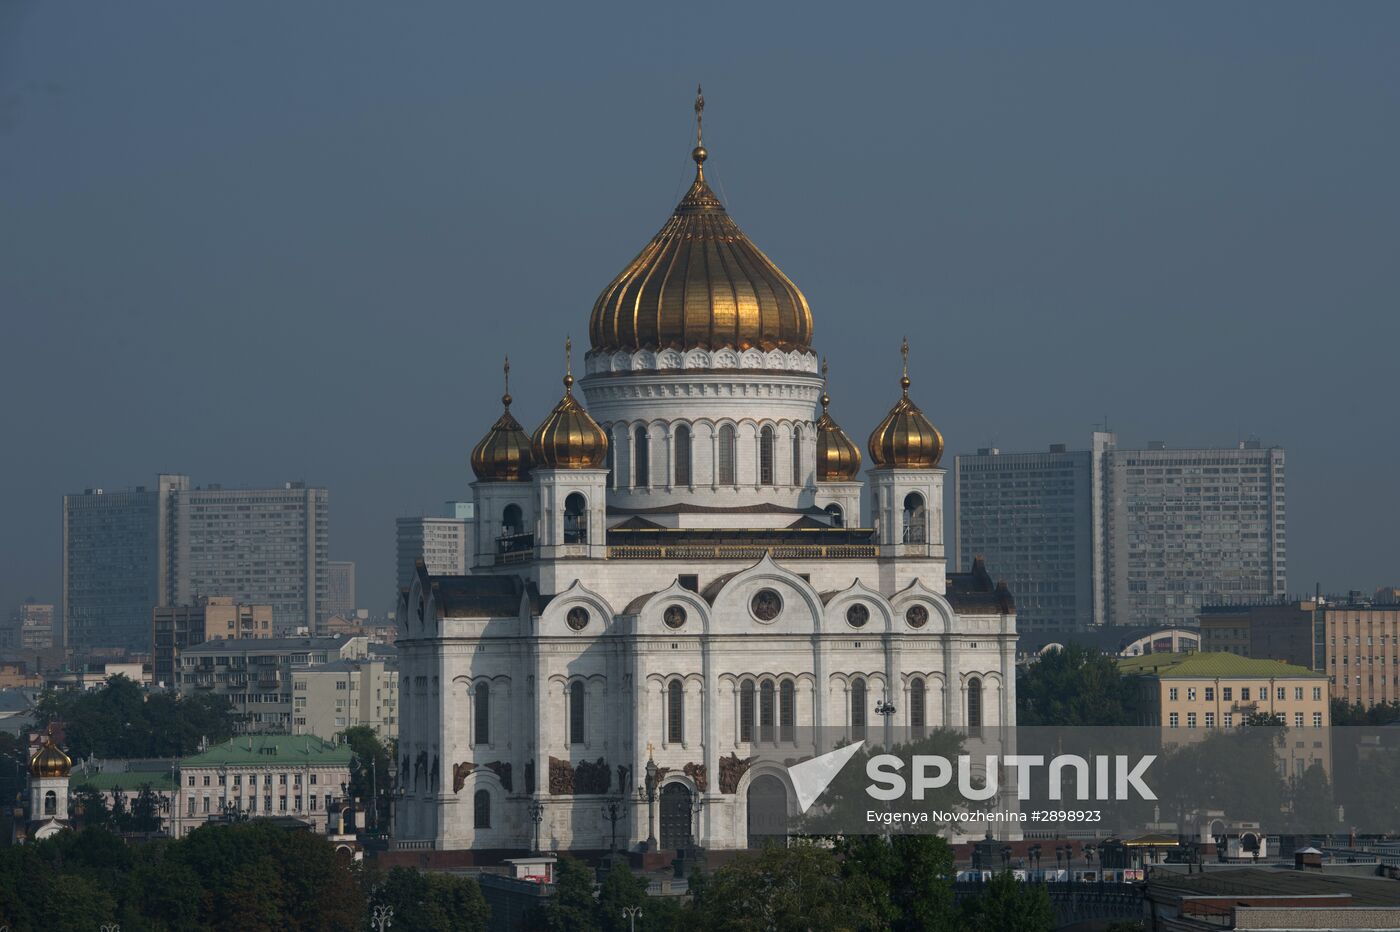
(296, 776)
(1191, 695)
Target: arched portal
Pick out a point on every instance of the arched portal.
(768, 811)
(675, 816)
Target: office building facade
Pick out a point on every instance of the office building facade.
(443, 543)
(1125, 537)
(340, 589)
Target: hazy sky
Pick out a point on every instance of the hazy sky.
(262, 241)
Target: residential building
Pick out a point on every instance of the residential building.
(263, 546)
(255, 675)
(1189, 696)
(332, 697)
(176, 627)
(31, 629)
(261, 776)
(444, 544)
(340, 589)
(1125, 537)
(116, 563)
(1362, 649)
(94, 675)
(1284, 631)
(16, 674)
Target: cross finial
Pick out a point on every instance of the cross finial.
(826, 398)
(650, 747)
(568, 365)
(904, 378)
(505, 399)
(699, 115)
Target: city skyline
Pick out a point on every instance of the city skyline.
(1205, 238)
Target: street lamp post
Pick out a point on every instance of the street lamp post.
(383, 918)
(537, 816)
(647, 794)
(631, 913)
(614, 812)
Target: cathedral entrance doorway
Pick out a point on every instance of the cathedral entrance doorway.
(675, 816)
(768, 811)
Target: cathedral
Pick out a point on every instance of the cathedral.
(675, 571)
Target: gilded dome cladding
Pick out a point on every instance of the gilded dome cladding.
(838, 458)
(569, 438)
(906, 439)
(700, 283)
(503, 455)
(50, 762)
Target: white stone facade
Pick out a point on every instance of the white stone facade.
(704, 608)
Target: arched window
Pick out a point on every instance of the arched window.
(797, 456)
(512, 521)
(974, 705)
(858, 708)
(726, 456)
(917, 703)
(50, 803)
(765, 712)
(575, 519)
(481, 809)
(837, 516)
(787, 711)
(675, 712)
(577, 708)
(746, 712)
(643, 457)
(915, 519)
(608, 462)
(765, 456)
(682, 456)
(483, 713)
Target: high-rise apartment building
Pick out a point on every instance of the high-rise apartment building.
(340, 589)
(126, 553)
(265, 546)
(1125, 537)
(444, 543)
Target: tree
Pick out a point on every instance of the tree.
(1074, 686)
(573, 908)
(620, 888)
(792, 889)
(1382, 713)
(371, 777)
(432, 902)
(907, 879)
(1007, 905)
(120, 719)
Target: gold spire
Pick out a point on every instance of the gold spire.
(698, 153)
(838, 458)
(569, 438)
(905, 439)
(503, 455)
(700, 284)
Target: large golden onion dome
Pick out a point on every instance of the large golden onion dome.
(50, 761)
(906, 439)
(569, 438)
(503, 455)
(838, 458)
(700, 283)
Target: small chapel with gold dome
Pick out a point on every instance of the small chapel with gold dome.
(677, 587)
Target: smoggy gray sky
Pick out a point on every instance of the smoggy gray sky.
(260, 241)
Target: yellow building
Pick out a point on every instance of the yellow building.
(1191, 695)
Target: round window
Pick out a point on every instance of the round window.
(577, 618)
(674, 616)
(917, 616)
(857, 615)
(766, 605)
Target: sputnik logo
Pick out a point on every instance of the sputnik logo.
(811, 777)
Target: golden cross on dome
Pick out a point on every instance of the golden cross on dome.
(826, 397)
(568, 365)
(904, 378)
(505, 399)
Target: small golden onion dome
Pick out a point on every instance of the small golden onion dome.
(838, 458)
(503, 455)
(906, 439)
(50, 762)
(700, 283)
(569, 438)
